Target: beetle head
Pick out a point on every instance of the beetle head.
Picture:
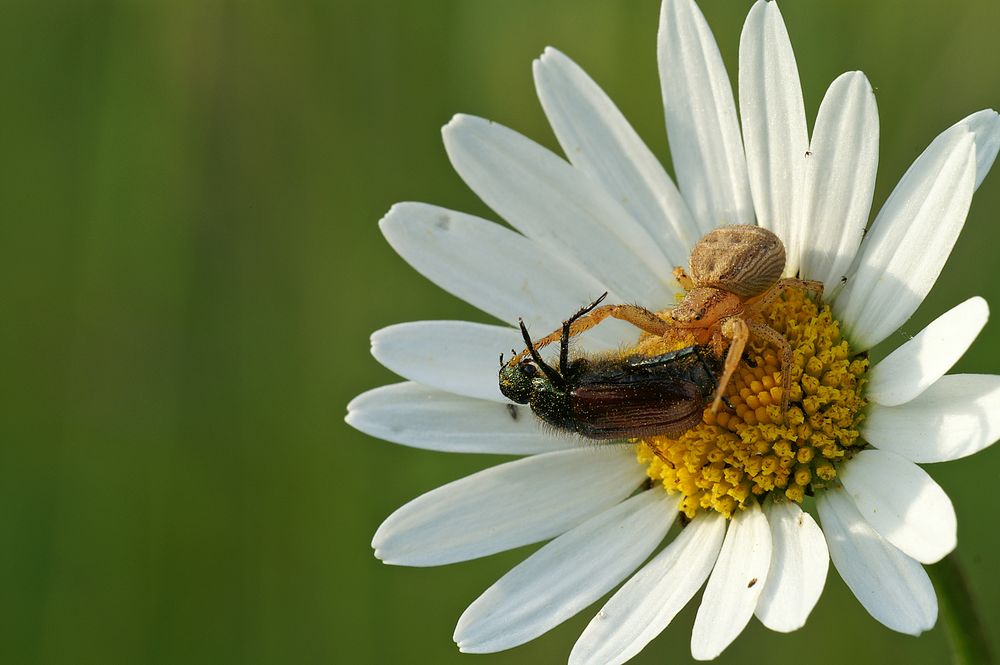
(519, 381)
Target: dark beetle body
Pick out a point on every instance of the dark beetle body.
(619, 398)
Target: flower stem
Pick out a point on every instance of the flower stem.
(969, 643)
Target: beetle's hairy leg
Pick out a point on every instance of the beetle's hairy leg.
(766, 332)
(734, 328)
(564, 339)
(682, 278)
(656, 451)
(639, 317)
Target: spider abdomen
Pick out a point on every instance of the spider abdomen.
(743, 260)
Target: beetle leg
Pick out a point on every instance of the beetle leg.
(639, 317)
(656, 451)
(768, 333)
(564, 340)
(734, 328)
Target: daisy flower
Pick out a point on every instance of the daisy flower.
(609, 218)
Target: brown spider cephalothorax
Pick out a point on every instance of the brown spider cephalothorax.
(734, 271)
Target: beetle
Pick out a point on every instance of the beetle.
(618, 396)
(735, 271)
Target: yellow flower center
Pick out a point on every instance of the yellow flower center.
(750, 450)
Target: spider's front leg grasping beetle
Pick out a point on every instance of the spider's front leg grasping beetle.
(615, 396)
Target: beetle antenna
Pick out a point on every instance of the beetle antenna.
(501, 360)
(553, 375)
(564, 347)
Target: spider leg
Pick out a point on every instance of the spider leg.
(682, 278)
(768, 333)
(640, 317)
(807, 285)
(735, 328)
(711, 375)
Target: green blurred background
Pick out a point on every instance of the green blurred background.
(191, 269)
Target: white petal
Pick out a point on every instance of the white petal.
(735, 585)
(956, 417)
(507, 506)
(839, 179)
(893, 587)
(566, 575)
(499, 271)
(774, 125)
(599, 141)
(456, 356)
(902, 503)
(422, 417)
(799, 562)
(643, 607)
(914, 366)
(559, 207)
(985, 126)
(702, 126)
(910, 241)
